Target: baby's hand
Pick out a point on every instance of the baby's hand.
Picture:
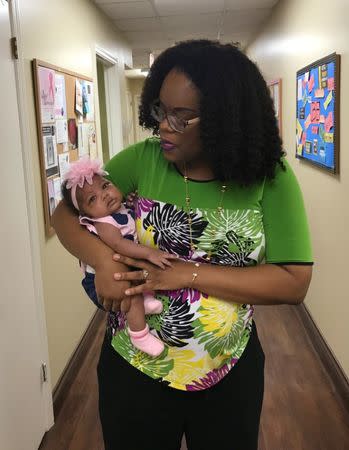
(131, 199)
(160, 258)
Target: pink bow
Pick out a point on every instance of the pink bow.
(80, 172)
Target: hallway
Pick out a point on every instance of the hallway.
(301, 408)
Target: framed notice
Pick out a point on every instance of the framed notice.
(317, 123)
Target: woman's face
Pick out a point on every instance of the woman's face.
(179, 96)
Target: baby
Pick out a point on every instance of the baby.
(99, 204)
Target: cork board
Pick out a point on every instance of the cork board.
(65, 116)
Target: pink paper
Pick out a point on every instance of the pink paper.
(319, 93)
(311, 83)
(307, 122)
(329, 122)
(315, 112)
(314, 130)
(304, 137)
(322, 119)
(330, 84)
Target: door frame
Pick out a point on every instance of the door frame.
(112, 99)
(29, 181)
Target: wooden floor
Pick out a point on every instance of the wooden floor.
(301, 409)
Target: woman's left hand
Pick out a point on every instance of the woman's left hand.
(154, 279)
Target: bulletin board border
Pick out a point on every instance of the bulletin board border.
(336, 59)
(36, 63)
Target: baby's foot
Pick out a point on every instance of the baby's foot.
(146, 342)
(152, 305)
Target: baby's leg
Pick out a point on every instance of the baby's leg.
(151, 304)
(138, 329)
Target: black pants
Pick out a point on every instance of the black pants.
(139, 413)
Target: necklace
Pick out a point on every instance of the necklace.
(189, 211)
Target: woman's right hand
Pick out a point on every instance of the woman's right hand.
(111, 293)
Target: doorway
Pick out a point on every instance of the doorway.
(109, 99)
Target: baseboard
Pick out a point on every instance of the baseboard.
(329, 361)
(70, 372)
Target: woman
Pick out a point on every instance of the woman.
(216, 191)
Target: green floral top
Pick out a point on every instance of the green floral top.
(205, 336)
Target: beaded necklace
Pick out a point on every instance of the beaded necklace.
(189, 210)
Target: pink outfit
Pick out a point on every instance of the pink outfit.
(125, 224)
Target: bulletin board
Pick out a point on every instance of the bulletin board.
(66, 127)
(317, 127)
(275, 88)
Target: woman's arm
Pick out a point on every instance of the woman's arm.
(265, 284)
(88, 248)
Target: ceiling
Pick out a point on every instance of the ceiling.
(153, 25)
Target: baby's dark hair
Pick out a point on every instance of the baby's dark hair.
(66, 194)
(238, 128)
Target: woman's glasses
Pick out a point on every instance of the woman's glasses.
(177, 123)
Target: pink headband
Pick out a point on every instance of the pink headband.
(80, 171)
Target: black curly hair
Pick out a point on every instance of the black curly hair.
(238, 127)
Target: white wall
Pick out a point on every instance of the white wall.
(134, 86)
(298, 33)
(65, 33)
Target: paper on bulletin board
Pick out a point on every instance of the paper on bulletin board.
(64, 161)
(78, 97)
(330, 84)
(92, 141)
(328, 100)
(57, 190)
(299, 129)
(60, 100)
(329, 122)
(83, 139)
(61, 131)
(51, 196)
(47, 94)
(90, 114)
(50, 150)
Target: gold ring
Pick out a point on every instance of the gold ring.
(145, 274)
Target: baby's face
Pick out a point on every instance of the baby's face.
(100, 199)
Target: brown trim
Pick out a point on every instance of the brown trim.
(40, 63)
(70, 372)
(336, 375)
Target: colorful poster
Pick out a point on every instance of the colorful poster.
(47, 94)
(316, 108)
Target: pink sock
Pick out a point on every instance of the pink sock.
(146, 342)
(151, 304)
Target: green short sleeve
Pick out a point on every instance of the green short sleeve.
(123, 168)
(285, 222)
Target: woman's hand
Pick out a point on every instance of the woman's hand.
(110, 294)
(178, 276)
